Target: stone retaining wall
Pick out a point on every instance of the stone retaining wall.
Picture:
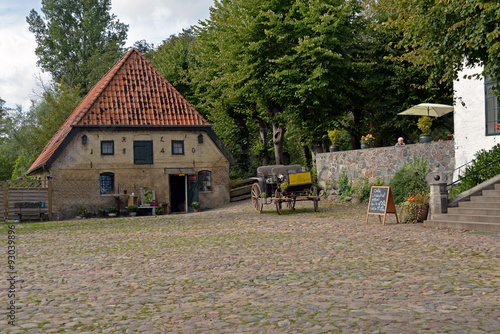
(382, 162)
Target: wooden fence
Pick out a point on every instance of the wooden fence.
(26, 200)
(241, 190)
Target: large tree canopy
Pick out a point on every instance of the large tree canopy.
(276, 59)
(71, 32)
(447, 35)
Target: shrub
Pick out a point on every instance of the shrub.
(424, 124)
(345, 186)
(334, 136)
(132, 208)
(113, 209)
(364, 188)
(483, 158)
(82, 212)
(411, 177)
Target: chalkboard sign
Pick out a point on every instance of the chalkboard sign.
(381, 203)
(378, 200)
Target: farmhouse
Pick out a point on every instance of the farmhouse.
(134, 134)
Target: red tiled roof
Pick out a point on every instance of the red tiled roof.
(134, 93)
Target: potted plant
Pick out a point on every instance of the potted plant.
(367, 141)
(82, 212)
(132, 210)
(112, 211)
(196, 206)
(424, 124)
(334, 136)
(415, 208)
(102, 212)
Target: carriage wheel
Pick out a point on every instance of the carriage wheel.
(277, 200)
(256, 198)
(315, 200)
(291, 203)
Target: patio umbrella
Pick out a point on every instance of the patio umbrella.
(428, 109)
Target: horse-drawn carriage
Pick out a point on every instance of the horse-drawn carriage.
(283, 185)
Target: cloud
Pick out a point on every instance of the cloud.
(152, 20)
(156, 20)
(17, 58)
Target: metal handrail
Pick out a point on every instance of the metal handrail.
(454, 183)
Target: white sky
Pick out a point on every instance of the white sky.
(152, 20)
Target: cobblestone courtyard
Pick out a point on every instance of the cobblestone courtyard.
(233, 270)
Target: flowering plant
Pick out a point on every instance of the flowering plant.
(368, 139)
(497, 126)
(419, 198)
(415, 208)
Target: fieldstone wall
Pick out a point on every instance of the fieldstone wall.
(382, 162)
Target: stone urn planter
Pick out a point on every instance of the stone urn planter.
(363, 146)
(334, 148)
(425, 138)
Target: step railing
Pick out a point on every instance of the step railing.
(492, 165)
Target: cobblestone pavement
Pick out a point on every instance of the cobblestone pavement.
(233, 270)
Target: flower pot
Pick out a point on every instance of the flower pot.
(365, 146)
(334, 148)
(132, 214)
(425, 138)
(164, 208)
(420, 212)
(112, 214)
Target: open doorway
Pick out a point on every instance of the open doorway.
(177, 185)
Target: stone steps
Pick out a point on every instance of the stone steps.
(481, 213)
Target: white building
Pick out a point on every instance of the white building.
(477, 112)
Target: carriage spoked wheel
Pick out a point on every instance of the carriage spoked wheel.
(277, 200)
(315, 200)
(291, 204)
(257, 197)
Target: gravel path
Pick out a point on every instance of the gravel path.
(233, 270)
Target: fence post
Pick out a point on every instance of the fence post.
(6, 200)
(49, 191)
(438, 202)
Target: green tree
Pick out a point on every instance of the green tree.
(173, 58)
(50, 113)
(3, 113)
(70, 32)
(446, 35)
(20, 167)
(385, 85)
(286, 58)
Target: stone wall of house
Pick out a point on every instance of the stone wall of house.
(76, 173)
(382, 162)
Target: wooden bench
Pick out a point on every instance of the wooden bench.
(30, 211)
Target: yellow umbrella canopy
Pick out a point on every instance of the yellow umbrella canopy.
(428, 109)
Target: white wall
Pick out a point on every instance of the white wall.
(469, 118)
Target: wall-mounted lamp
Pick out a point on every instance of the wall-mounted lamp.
(200, 138)
(84, 139)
